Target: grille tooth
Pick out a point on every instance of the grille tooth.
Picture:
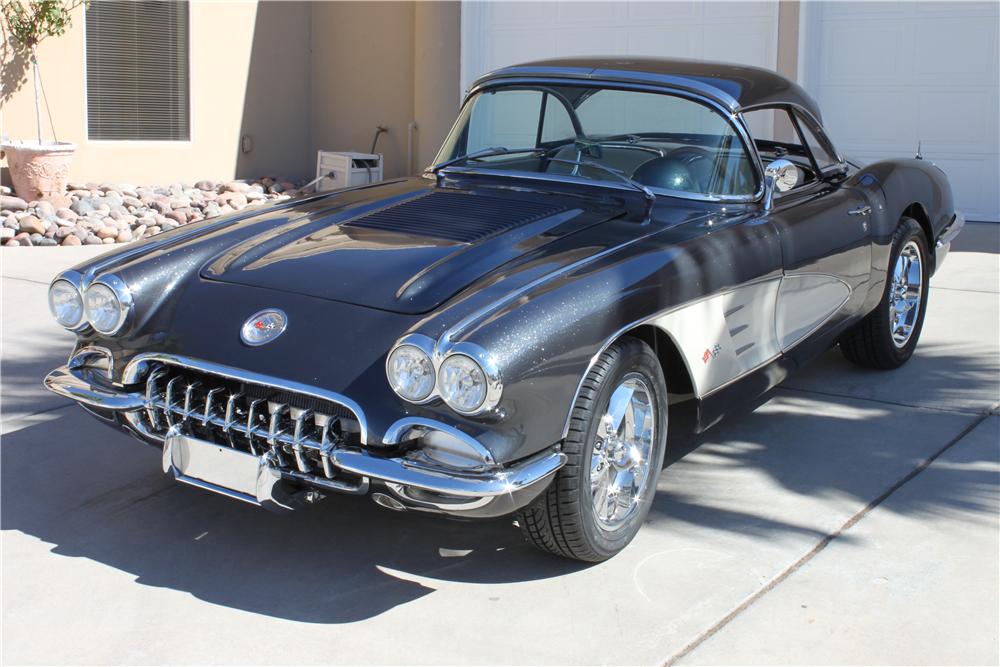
(455, 217)
(298, 432)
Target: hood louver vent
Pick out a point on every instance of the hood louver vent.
(455, 217)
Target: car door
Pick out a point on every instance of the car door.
(823, 226)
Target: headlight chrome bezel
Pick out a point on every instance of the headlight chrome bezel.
(488, 366)
(122, 294)
(393, 382)
(67, 278)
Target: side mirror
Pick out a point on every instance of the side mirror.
(779, 176)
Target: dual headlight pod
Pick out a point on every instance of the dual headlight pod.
(464, 379)
(104, 304)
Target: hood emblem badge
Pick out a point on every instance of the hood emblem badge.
(263, 327)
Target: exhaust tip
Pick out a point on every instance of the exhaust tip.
(388, 502)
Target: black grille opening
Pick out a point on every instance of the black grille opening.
(456, 217)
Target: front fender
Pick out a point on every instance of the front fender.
(546, 339)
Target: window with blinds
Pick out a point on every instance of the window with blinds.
(138, 85)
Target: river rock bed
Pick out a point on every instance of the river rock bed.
(108, 213)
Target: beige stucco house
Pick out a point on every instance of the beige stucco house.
(258, 87)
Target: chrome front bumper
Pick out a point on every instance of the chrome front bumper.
(414, 481)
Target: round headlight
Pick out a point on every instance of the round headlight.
(411, 373)
(104, 309)
(462, 383)
(65, 303)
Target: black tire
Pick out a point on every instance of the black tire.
(562, 520)
(870, 343)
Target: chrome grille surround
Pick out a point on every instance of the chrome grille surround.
(295, 427)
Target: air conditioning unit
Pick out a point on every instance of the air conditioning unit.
(336, 170)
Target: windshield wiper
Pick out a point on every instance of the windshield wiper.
(646, 192)
(485, 152)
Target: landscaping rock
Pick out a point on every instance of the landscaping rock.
(32, 225)
(10, 203)
(120, 212)
(82, 206)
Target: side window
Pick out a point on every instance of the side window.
(821, 150)
(776, 137)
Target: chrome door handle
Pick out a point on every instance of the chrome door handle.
(861, 210)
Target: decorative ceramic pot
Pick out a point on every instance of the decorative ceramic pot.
(39, 171)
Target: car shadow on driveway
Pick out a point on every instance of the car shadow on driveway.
(92, 492)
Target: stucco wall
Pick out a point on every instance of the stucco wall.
(436, 74)
(249, 74)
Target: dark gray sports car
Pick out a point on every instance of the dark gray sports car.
(604, 247)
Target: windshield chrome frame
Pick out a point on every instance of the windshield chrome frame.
(734, 118)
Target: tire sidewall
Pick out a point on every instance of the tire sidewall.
(637, 358)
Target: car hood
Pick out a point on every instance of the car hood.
(404, 250)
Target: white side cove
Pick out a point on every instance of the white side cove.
(805, 302)
(726, 336)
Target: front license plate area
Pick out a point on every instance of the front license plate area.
(209, 466)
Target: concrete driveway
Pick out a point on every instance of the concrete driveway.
(852, 518)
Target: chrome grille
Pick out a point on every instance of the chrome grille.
(298, 432)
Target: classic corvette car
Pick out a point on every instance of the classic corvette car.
(602, 248)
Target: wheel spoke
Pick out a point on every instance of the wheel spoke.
(619, 466)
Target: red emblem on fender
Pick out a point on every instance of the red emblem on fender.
(705, 357)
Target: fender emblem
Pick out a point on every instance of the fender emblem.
(711, 354)
(263, 327)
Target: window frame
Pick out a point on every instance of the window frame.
(728, 115)
(142, 143)
(798, 115)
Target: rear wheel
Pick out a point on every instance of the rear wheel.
(615, 447)
(887, 336)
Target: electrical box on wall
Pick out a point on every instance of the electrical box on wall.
(343, 169)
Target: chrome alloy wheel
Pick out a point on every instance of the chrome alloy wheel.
(619, 464)
(905, 293)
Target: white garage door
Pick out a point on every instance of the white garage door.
(888, 76)
(495, 34)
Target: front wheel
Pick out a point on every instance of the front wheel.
(614, 447)
(887, 336)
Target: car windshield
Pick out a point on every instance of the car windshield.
(665, 142)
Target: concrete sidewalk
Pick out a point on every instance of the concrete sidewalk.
(851, 519)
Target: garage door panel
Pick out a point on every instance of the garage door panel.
(890, 76)
(599, 13)
(870, 118)
(661, 11)
(958, 119)
(584, 41)
(531, 44)
(676, 42)
(734, 43)
(737, 10)
(879, 61)
(970, 179)
(496, 34)
(966, 61)
(851, 10)
(518, 14)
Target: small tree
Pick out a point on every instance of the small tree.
(31, 22)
